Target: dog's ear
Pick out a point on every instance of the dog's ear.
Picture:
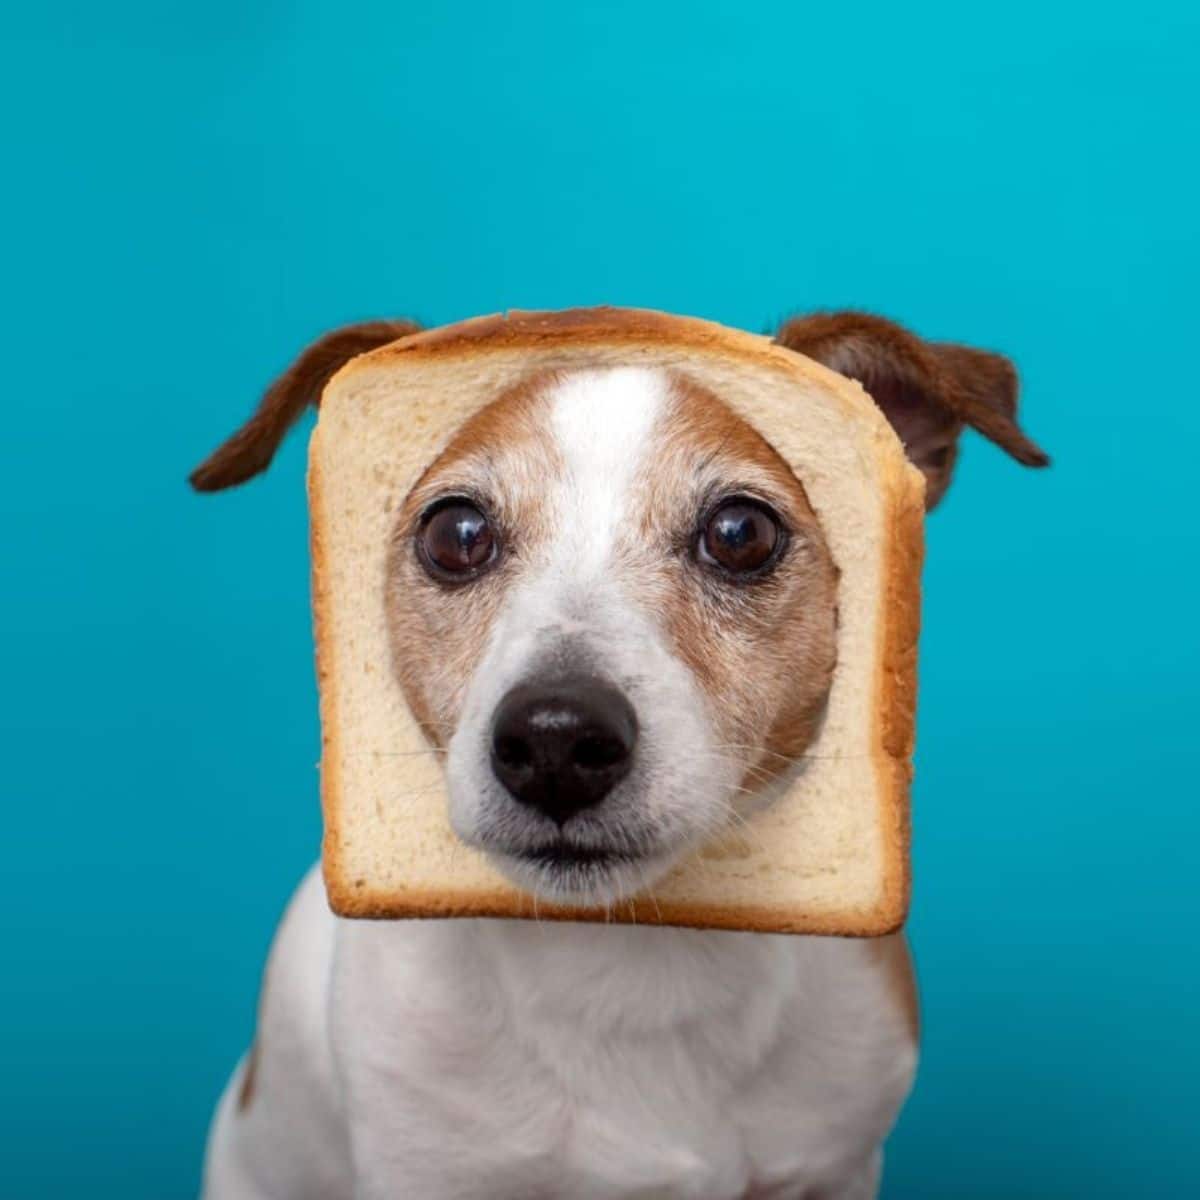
(249, 451)
(927, 390)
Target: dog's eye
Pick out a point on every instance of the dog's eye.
(740, 536)
(456, 540)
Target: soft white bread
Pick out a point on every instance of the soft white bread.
(832, 855)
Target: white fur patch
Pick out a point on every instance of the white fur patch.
(602, 423)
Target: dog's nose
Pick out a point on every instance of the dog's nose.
(562, 747)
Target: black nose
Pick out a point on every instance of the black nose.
(561, 747)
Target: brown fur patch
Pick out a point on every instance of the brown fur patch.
(763, 651)
(503, 456)
(249, 1079)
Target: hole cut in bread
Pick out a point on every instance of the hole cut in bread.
(831, 855)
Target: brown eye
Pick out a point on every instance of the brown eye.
(456, 540)
(740, 536)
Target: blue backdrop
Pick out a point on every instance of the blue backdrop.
(196, 189)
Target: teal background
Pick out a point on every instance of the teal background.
(194, 190)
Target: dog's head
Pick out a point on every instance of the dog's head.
(611, 606)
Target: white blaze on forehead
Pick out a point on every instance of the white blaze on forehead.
(602, 422)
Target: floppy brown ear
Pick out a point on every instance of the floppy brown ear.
(927, 390)
(249, 451)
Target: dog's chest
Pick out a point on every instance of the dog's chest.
(597, 1062)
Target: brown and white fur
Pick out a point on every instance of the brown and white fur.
(450, 1060)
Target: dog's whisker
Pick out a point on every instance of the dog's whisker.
(397, 803)
(756, 834)
(648, 892)
(753, 772)
(430, 750)
(763, 750)
(792, 758)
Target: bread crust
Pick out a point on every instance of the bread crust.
(331, 839)
(896, 656)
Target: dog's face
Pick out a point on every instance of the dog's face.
(612, 606)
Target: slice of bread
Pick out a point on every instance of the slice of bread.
(832, 855)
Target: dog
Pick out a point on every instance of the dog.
(597, 707)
